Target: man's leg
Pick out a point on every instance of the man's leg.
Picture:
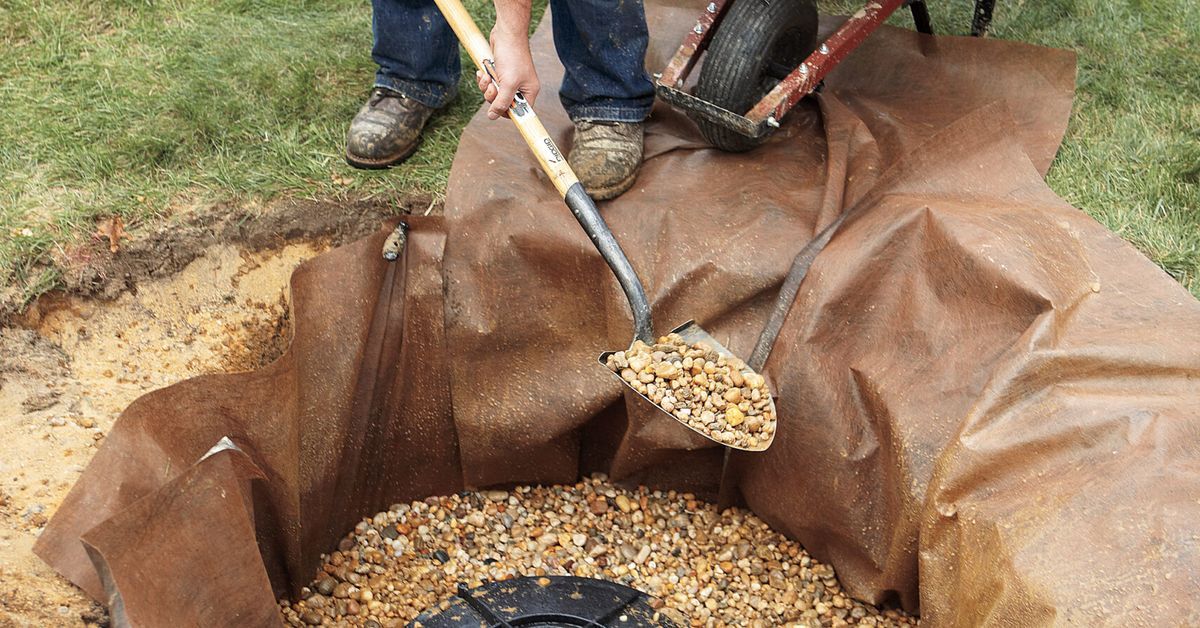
(605, 89)
(418, 60)
(416, 51)
(602, 45)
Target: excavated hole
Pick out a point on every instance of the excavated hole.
(75, 362)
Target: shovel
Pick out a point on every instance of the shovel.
(554, 164)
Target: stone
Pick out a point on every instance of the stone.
(666, 370)
(706, 567)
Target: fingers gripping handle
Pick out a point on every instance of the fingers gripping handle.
(552, 161)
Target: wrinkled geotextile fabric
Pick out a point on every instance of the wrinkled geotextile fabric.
(988, 404)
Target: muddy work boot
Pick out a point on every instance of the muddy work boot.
(606, 156)
(386, 130)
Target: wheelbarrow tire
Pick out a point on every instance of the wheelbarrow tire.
(756, 44)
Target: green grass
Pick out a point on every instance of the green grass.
(143, 109)
(1131, 155)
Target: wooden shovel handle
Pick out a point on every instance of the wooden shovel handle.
(553, 163)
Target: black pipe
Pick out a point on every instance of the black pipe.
(602, 237)
(982, 18)
(920, 14)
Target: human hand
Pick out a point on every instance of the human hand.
(514, 71)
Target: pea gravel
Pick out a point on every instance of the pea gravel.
(707, 568)
(715, 395)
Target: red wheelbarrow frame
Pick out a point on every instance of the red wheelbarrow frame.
(804, 79)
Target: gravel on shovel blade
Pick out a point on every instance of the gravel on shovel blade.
(705, 568)
(718, 396)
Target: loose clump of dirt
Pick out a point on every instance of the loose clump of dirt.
(711, 393)
(706, 568)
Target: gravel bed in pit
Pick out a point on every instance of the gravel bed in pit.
(706, 568)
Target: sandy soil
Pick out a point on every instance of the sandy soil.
(75, 360)
(88, 268)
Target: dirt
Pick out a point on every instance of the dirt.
(89, 268)
(208, 294)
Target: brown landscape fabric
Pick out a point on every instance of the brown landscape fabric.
(989, 406)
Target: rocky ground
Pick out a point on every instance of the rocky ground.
(706, 568)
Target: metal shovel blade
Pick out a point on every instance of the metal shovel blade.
(694, 334)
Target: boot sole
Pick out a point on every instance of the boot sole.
(363, 163)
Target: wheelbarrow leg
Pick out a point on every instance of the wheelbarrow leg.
(982, 18)
(920, 14)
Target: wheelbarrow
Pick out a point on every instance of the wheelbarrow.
(763, 57)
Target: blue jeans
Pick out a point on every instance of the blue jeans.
(601, 43)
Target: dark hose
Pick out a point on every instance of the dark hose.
(787, 293)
